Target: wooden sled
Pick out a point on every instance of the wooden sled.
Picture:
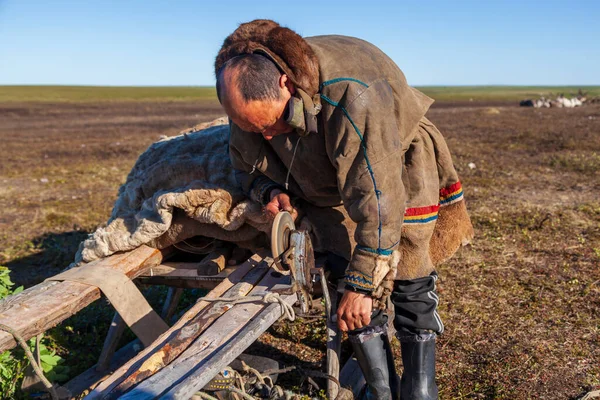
(180, 361)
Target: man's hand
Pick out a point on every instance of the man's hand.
(280, 202)
(354, 310)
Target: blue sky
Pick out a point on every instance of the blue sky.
(533, 42)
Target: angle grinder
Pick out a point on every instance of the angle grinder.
(292, 251)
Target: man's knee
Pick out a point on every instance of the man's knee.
(415, 305)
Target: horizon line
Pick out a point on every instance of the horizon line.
(212, 86)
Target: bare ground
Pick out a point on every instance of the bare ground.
(521, 304)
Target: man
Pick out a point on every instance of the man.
(331, 120)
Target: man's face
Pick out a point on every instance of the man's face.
(266, 117)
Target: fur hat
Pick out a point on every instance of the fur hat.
(284, 47)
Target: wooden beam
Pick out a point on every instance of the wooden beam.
(183, 270)
(204, 372)
(117, 327)
(351, 377)
(45, 305)
(334, 346)
(220, 344)
(215, 261)
(170, 304)
(183, 275)
(90, 378)
(134, 364)
(186, 335)
(180, 283)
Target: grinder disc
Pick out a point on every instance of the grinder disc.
(283, 225)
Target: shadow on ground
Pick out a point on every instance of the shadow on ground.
(53, 253)
(297, 378)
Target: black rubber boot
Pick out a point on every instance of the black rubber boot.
(374, 355)
(418, 358)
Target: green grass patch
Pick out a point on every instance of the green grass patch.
(585, 163)
(104, 93)
(502, 93)
(191, 93)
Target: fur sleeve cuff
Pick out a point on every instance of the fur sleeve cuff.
(368, 269)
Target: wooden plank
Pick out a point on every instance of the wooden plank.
(181, 283)
(203, 373)
(183, 275)
(134, 364)
(171, 303)
(45, 305)
(183, 270)
(351, 377)
(215, 261)
(222, 334)
(179, 265)
(334, 345)
(117, 327)
(90, 378)
(185, 336)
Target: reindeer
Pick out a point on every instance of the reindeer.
(560, 102)
(526, 103)
(582, 96)
(564, 101)
(542, 102)
(576, 101)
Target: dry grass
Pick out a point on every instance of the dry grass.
(62, 166)
(521, 304)
(77, 94)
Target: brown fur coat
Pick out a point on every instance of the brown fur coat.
(375, 154)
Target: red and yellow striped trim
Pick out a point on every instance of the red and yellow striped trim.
(421, 215)
(451, 194)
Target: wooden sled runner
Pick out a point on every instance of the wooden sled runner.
(177, 361)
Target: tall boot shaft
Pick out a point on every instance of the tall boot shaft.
(376, 361)
(418, 358)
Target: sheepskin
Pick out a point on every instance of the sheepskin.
(180, 187)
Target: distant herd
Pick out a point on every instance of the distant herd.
(560, 101)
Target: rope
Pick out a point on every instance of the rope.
(287, 310)
(240, 392)
(238, 377)
(319, 374)
(206, 396)
(263, 379)
(36, 367)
